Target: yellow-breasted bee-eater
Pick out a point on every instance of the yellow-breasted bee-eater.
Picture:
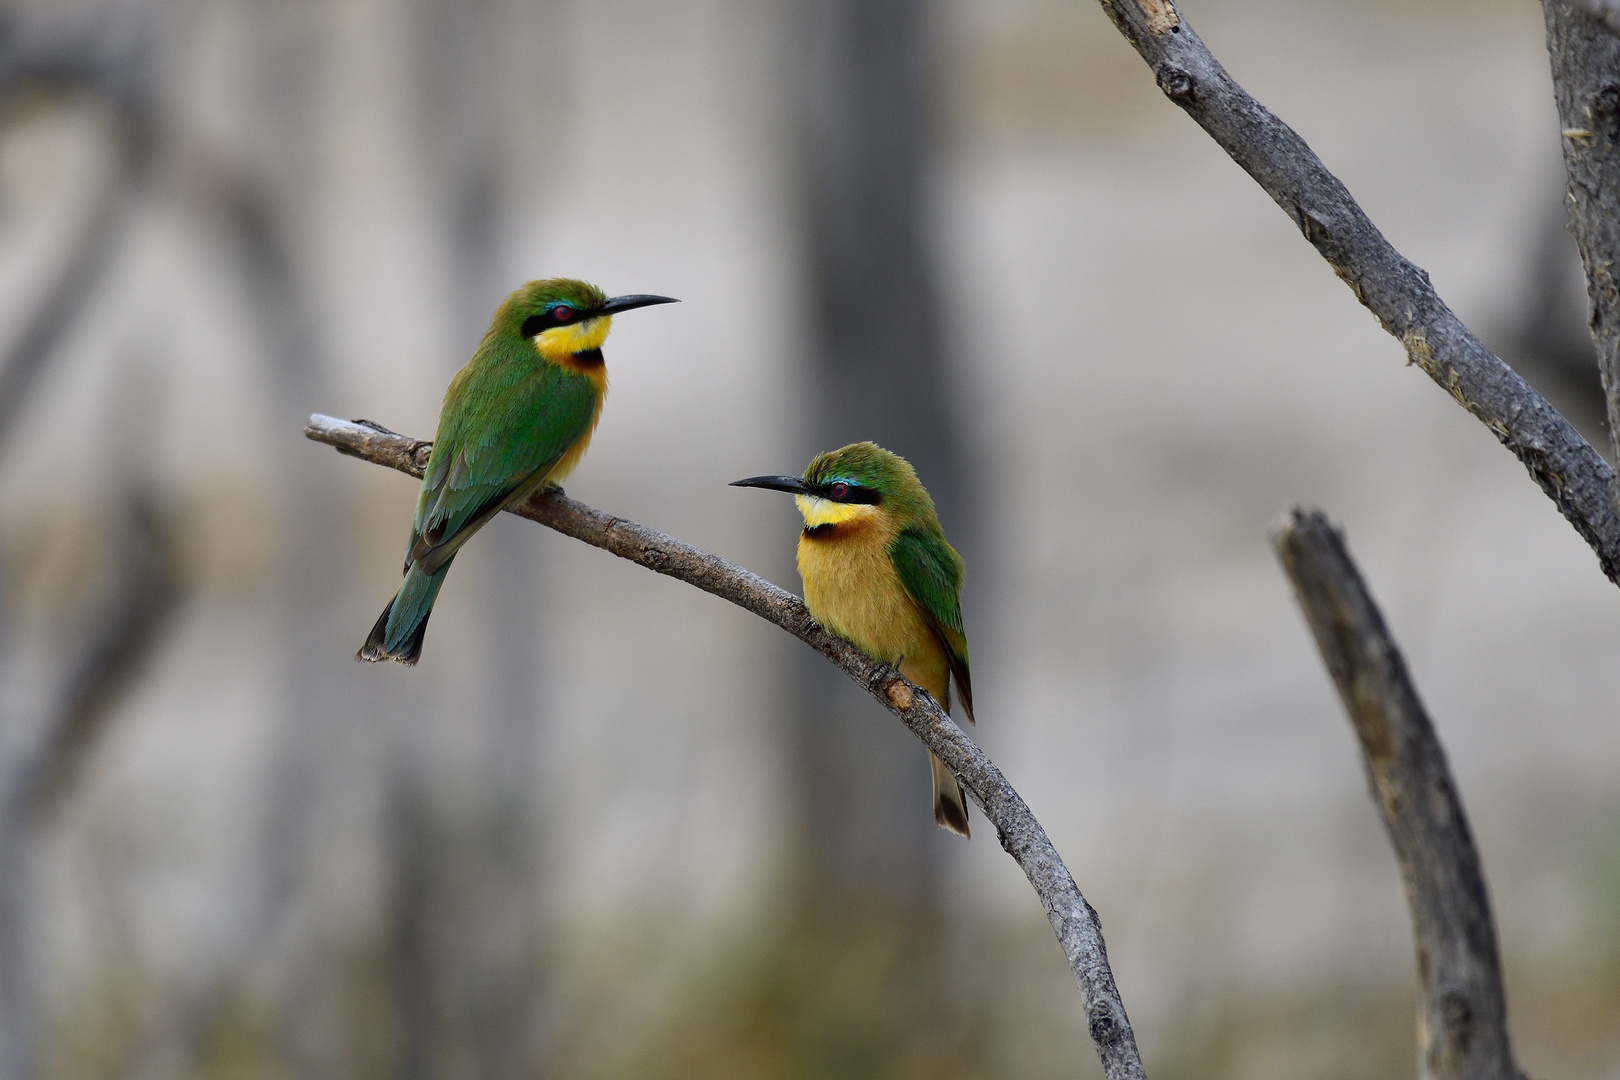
(518, 416)
(879, 573)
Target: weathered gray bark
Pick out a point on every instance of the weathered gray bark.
(1585, 56)
(1606, 10)
(1462, 1026)
(1078, 930)
(1571, 473)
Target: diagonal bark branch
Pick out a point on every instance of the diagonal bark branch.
(1462, 1028)
(1585, 57)
(1573, 475)
(1074, 921)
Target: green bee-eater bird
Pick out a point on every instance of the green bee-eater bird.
(519, 415)
(879, 573)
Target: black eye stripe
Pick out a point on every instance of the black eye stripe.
(548, 319)
(853, 493)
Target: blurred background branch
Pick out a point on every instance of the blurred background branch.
(1462, 1030)
(119, 636)
(109, 59)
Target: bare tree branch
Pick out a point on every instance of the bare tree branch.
(1073, 920)
(1585, 57)
(1572, 474)
(1462, 1031)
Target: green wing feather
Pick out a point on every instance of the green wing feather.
(502, 429)
(931, 572)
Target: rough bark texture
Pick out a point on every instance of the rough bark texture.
(1073, 920)
(1585, 56)
(1462, 1025)
(1606, 10)
(1568, 469)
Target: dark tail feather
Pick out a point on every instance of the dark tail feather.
(950, 802)
(399, 630)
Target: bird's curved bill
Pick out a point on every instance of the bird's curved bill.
(629, 303)
(790, 484)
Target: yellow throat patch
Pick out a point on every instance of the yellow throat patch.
(818, 511)
(561, 342)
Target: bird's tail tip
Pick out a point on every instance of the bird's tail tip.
(406, 652)
(950, 802)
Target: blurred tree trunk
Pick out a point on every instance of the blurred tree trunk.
(869, 855)
(876, 372)
(472, 983)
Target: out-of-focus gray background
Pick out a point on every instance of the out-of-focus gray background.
(612, 827)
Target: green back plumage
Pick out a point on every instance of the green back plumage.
(508, 416)
(928, 567)
(519, 414)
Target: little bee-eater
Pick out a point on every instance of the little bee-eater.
(518, 416)
(879, 573)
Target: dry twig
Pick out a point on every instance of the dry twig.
(1462, 1030)
(1572, 474)
(1073, 920)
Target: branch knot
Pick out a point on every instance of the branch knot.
(1178, 84)
(1605, 111)
(1103, 1028)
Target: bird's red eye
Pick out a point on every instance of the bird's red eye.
(838, 490)
(562, 313)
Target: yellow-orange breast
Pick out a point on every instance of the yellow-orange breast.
(851, 588)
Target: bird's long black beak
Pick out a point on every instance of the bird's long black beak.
(628, 303)
(790, 484)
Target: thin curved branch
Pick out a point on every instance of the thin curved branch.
(1073, 920)
(1462, 1033)
(1569, 470)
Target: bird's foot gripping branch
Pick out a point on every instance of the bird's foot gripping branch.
(1073, 920)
